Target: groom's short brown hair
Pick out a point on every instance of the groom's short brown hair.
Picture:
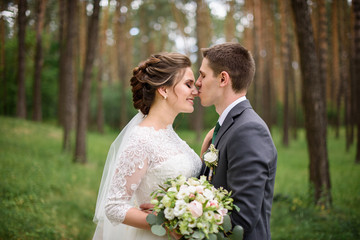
(233, 58)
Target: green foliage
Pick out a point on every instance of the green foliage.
(237, 233)
(294, 215)
(50, 82)
(45, 196)
(112, 105)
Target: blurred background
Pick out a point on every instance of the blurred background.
(65, 67)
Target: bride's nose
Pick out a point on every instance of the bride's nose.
(195, 91)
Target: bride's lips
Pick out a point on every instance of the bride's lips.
(191, 100)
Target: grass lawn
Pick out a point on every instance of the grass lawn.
(45, 196)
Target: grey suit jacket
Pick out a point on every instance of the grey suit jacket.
(247, 166)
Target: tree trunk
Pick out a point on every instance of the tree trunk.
(230, 25)
(68, 73)
(40, 13)
(285, 47)
(180, 19)
(250, 43)
(62, 38)
(21, 93)
(322, 46)
(203, 36)
(123, 55)
(293, 91)
(267, 58)
(344, 94)
(81, 41)
(351, 50)
(84, 94)
(258, 51)
(314, 105)
(3, 92)
(356, 9)
(335, 79)
(99, 87)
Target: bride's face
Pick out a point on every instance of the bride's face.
(181, 97)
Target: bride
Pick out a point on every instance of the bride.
(147, 151)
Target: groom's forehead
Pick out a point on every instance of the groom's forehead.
(205, 66)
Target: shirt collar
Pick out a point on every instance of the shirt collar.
(227, 110)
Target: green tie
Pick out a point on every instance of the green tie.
(217, 127)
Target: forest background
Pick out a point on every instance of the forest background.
(68, 63)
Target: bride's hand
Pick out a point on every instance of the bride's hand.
(147, 207)
(207, 141)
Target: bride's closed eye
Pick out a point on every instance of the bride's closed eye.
(190, 83)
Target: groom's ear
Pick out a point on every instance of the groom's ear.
(224, 78)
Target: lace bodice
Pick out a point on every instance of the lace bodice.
(148, 159)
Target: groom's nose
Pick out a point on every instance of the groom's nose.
(198, 83)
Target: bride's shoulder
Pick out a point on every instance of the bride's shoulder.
(145, 134)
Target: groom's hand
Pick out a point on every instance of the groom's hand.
(147, 207)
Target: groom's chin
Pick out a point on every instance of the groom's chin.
(204, 104)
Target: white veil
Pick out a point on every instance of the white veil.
(115, 149)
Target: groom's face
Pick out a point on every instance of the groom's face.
(208, 85)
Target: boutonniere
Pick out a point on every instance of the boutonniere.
(211, 159)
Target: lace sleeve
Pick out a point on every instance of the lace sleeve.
(130, 169)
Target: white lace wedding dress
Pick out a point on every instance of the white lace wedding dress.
(148, 158)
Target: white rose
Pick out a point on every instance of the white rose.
(200, 189)
(208, 194)
(180, 208)
(183, 192)
(219, 219)
(210, 157)
(222, 211)
(202, 179)
(193, 182)
(169, 213)
(192, 189)
(166, 201)
(195, 208)
(209, 216)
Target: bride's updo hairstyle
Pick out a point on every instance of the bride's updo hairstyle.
(157, 71)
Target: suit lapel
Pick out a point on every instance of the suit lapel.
(229, 120)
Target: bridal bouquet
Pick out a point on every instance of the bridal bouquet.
(193, 208)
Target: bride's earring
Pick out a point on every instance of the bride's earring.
(165, 97)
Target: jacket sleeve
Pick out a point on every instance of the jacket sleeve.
(249, 153)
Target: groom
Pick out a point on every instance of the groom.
(247, 155)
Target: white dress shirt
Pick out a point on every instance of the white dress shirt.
(228, 109)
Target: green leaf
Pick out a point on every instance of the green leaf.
(160, 218)
(237, 208)
(237, 233)
(227, 223)
(220, 235)
(212, 236)
(198, 235)
(151, 219)
(158, 230)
